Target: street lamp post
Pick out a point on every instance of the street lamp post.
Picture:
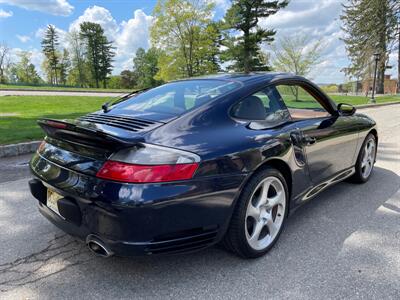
(377, 56)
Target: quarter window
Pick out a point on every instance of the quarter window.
(300, 103)
(262, 106)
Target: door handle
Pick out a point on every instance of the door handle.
(309, 140)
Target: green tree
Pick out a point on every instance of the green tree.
(106, 58)
(369, 26)
(296, 55)
(207, 55)
(50, 44)
(78, 75)
(128, 79)
(395, 7)
(244, 36)
(114, 82)
(4, 61)
(24, 71)
(99, 51)
(180, 31)
(65, 65)
(145, 67)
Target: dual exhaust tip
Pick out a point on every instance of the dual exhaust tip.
(97, 246)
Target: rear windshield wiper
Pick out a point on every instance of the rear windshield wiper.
(106, 106)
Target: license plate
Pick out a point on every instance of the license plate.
(52, 199)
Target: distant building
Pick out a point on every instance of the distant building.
(390, 85)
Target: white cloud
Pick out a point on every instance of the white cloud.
(134, 34)
(5, 14)
(23, 38)
(99, 15)
(127, 36)
(54, 7)
(319, 21)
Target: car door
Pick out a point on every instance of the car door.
(326, 138)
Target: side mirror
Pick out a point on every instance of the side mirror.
(345, 109)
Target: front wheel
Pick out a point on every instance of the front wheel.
(366, 160)
(259, 215)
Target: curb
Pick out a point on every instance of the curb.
(19, 149)
(376, 105)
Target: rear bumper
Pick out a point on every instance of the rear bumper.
(137, 219)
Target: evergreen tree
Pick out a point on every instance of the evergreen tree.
(369, 26)
(244, 36)
(50, 44)
(106, 58)
(99, 51)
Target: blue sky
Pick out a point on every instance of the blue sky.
(126, 22)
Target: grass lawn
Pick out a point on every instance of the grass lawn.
(18, 114)
(360, 100)
(70, 89)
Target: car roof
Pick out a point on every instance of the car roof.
(247, 77)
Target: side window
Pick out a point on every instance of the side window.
(300, 103)
(262, 106)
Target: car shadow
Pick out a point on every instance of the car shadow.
(314, 242)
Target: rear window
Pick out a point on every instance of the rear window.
(178, 97)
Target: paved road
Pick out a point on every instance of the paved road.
(343, 244)
(57, 93)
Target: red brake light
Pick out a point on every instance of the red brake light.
(56, 124)
(120, 171)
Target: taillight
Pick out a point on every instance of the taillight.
(124, 172)
(149, 163)
(56, 124)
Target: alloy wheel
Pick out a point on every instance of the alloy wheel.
(265, 213)
(368, 160)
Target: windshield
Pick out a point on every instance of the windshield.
(177, 97)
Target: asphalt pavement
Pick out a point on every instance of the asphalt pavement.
(344, 244)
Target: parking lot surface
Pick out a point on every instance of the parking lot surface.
(343, 244)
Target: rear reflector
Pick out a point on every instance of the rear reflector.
(124, 172)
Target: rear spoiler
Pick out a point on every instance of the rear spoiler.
(70, 132)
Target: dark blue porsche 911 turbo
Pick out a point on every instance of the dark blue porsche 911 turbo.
(195, 162)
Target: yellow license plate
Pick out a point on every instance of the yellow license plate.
(52, 199)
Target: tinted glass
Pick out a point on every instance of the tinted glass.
(301, 104)
(177, 97)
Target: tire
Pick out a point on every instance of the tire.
(261, 209)
(365, 160)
